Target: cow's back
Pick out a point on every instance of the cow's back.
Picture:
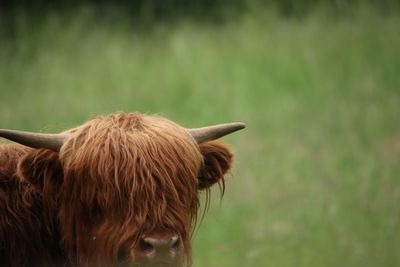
(9, 157)
(25, 239)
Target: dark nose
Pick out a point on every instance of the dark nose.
(165, 247)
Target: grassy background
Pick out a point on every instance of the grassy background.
(316, 178)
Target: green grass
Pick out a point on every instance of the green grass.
(316, 177)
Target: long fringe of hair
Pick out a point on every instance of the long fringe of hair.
(126, 170)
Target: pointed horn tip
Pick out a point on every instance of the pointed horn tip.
(240, 125)
(236, 126)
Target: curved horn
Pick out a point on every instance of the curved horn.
(35, 140)
(216, 131)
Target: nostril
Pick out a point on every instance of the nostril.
(145, 246)
(175, 243)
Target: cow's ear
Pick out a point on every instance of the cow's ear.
(42, 169)
(217, 162)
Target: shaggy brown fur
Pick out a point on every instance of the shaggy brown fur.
(115, 179)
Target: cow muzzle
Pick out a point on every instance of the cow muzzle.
(159, 250)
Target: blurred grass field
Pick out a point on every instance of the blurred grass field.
(316, 177)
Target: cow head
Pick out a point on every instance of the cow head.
(124, 188)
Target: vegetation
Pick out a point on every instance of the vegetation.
(316, 176)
